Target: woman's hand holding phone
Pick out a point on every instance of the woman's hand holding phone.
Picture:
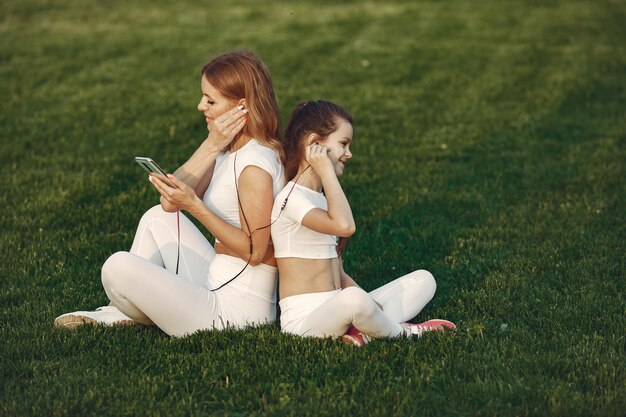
(179, 194)
(152, 168)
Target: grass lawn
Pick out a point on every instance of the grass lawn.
(489, 149)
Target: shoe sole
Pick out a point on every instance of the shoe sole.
(360, 342)
(71, 322)
(447, 325)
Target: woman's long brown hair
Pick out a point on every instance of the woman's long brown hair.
(242, 75)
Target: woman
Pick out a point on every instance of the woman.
(317, 298)
(172, 276)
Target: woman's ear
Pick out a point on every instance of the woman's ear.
(243, 102)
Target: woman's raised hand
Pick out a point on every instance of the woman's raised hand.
(317, 156)
(180, 195)
(227, 126)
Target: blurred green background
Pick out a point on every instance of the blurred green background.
(489, 149)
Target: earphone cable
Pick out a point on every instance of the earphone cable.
(282, 208)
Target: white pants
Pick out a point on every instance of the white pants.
(331, 313)
(143, 284)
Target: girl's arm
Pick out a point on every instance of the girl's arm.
(338, 220)
(256, 195)
(346, 280)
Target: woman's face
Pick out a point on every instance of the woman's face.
(339, 144)
(213, 104)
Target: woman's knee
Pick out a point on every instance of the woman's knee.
(154, 212)
(114, 267)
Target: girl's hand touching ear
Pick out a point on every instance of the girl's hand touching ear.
(317, 157)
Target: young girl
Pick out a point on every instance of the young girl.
(317, 298)
(172, 276)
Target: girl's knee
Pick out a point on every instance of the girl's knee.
(356, 300)
(426, 281)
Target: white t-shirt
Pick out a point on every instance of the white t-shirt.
(292, 239)
(221, 196)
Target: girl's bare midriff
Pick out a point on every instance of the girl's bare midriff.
(303, 276)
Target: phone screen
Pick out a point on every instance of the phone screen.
(153, 168)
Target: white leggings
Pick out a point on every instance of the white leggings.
(143, 284)
(331, 313)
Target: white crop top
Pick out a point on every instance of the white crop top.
(292, 239)
(221, 196)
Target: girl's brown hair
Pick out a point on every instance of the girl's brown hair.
(309, 117)
(242, 75)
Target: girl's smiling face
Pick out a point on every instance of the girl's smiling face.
(338, 143)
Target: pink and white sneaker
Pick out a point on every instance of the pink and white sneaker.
(355, 337)
(428, 326)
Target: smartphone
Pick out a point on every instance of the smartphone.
(153, 168)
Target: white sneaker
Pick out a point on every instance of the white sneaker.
(107, 315)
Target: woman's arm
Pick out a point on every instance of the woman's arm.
(257, 199)
(256, 195)
(198, 170)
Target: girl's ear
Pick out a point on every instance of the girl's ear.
(313, 138)
(243, 102)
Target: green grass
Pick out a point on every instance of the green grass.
(489, 149)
